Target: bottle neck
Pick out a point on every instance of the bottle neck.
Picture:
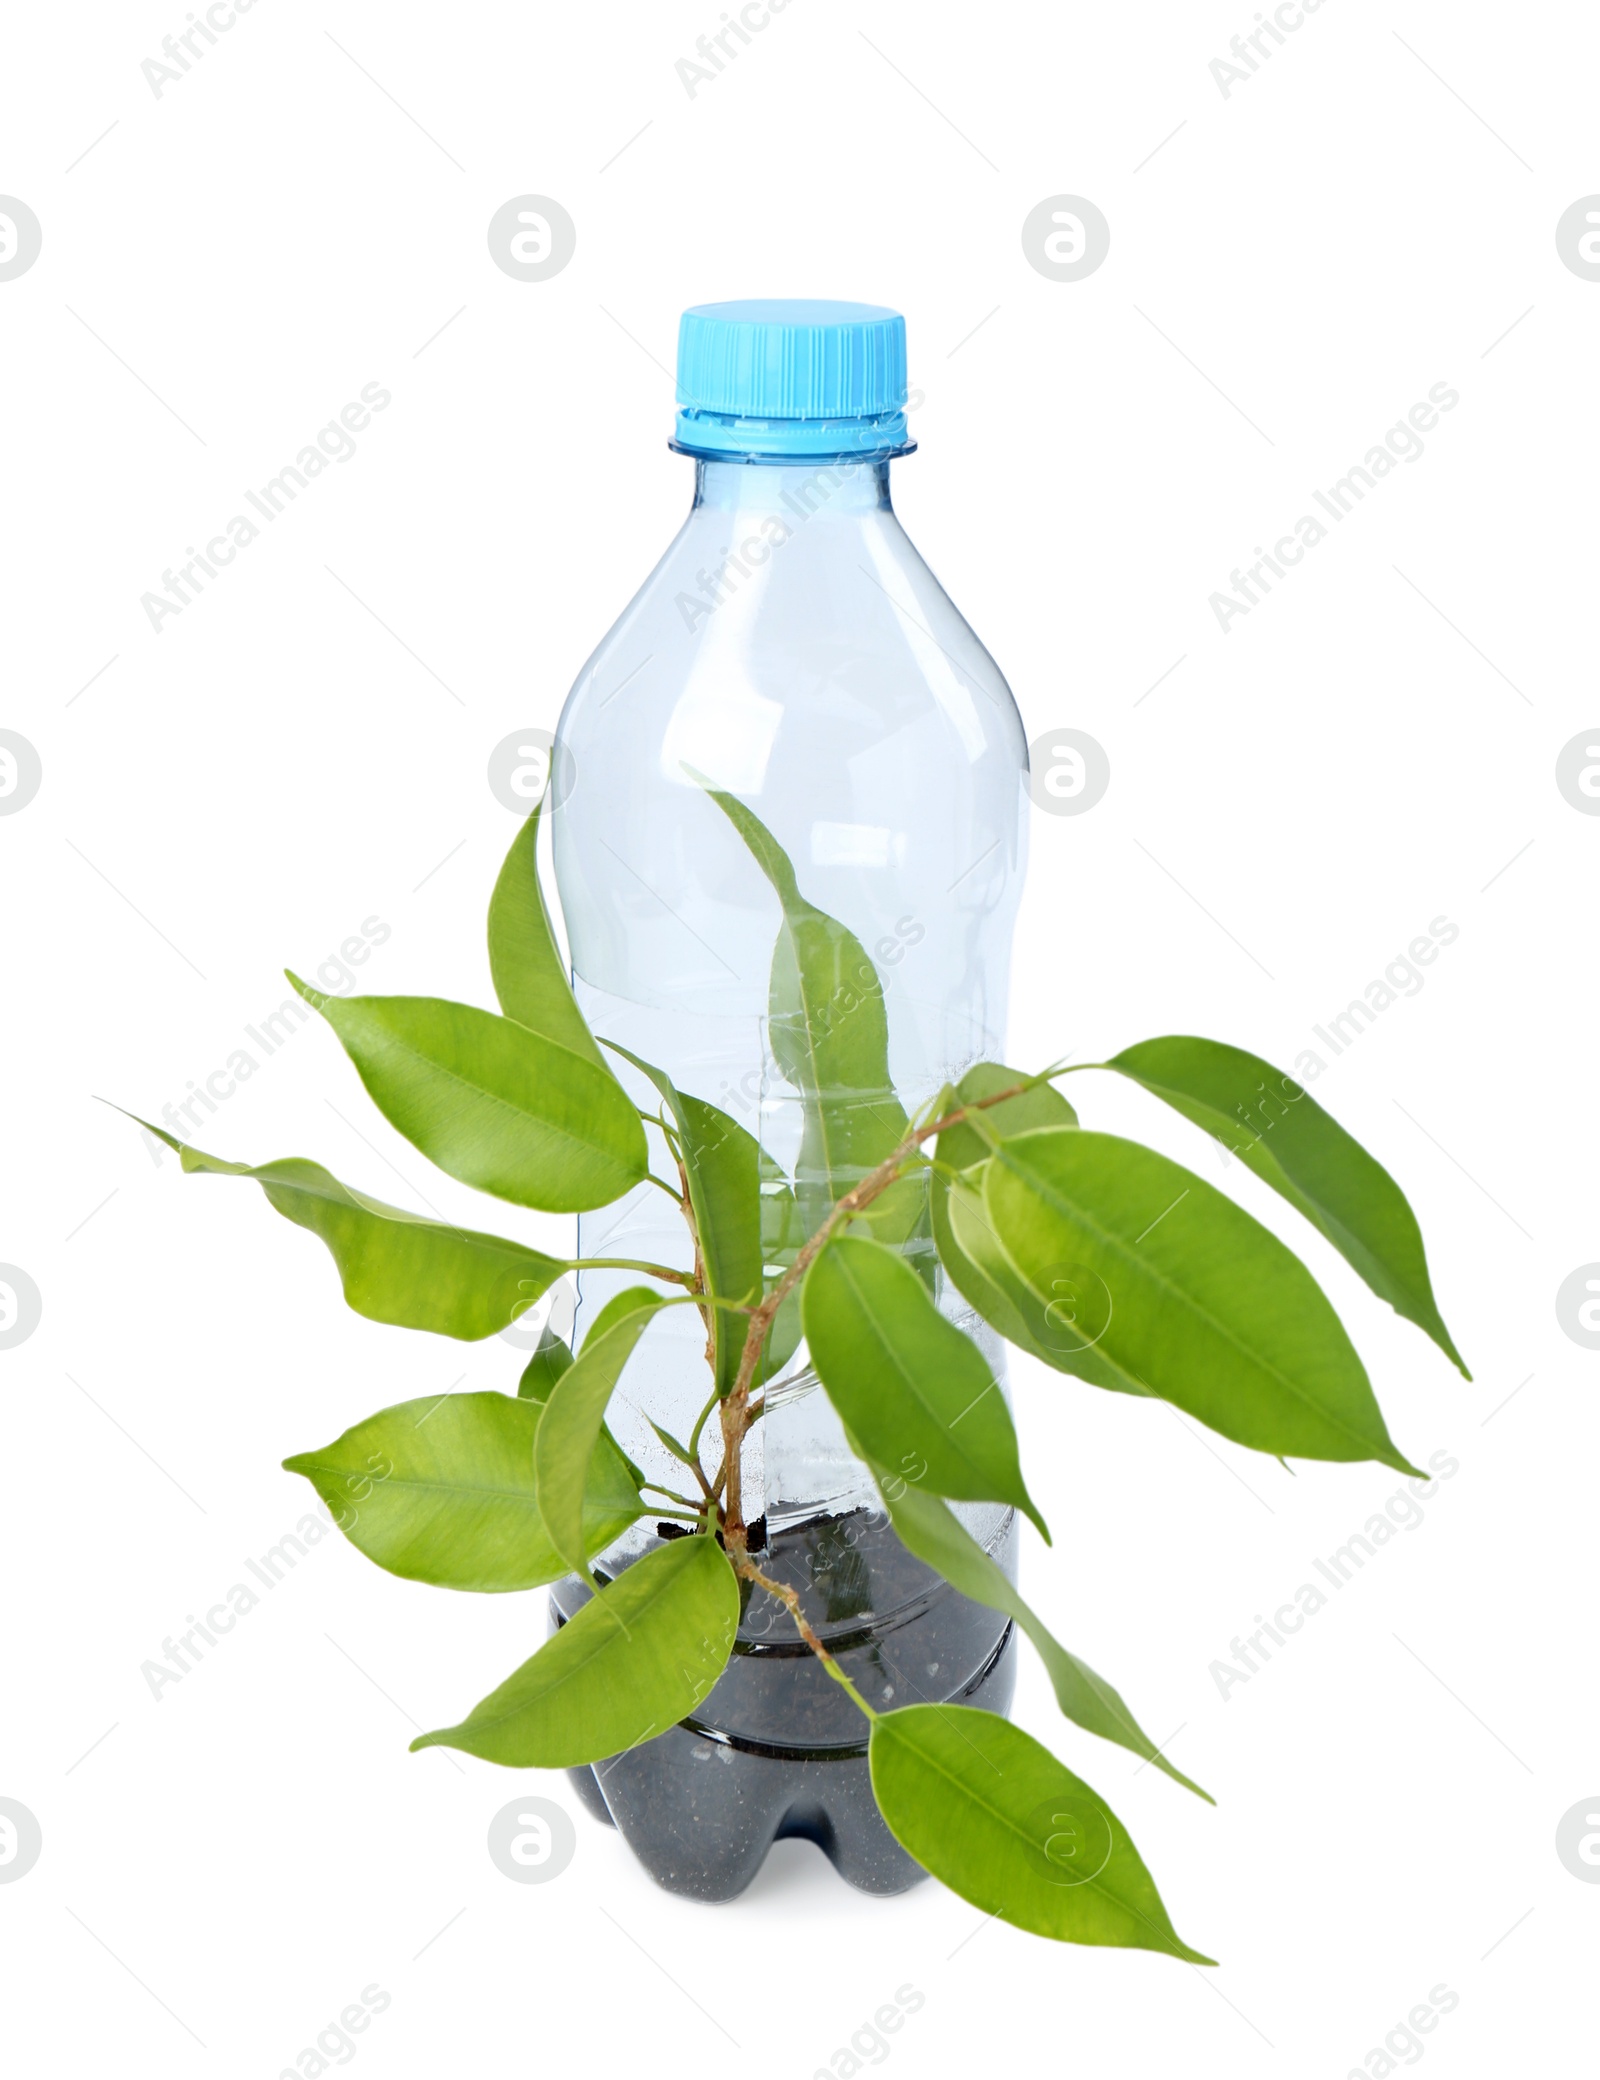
(837, 487)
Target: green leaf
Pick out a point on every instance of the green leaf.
(1274, 1125)
(965, 1143)
(549, 1362)
(395, 1266)
(782, 1237)
(985, 1808)
(569, 1430)
(544, 1368)
(1049, 1326)
(723, 1165)
(1200, 1304)
(530, 979)
(930, 1530)
(970, 1256)
(617, 1309)
(441, 1490)
(725, 1195)
(633, 1661)
(907, 1382)
(490, 1102)
(980, 1270)
(675, 1445)
(830, 1036)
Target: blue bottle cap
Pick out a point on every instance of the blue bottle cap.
(780, 379)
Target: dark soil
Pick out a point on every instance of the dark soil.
(778, 1749)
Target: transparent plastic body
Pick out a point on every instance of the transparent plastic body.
(792, 648)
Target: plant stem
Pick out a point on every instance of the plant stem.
(677, 1278)
(788, 1597)
(700, 1423)
(655, 1488)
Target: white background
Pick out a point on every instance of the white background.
(298, 751)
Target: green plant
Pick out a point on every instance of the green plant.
(1093, 1254)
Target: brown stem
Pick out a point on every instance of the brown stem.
(790, 1599)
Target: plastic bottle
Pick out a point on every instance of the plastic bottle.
(792, 648)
